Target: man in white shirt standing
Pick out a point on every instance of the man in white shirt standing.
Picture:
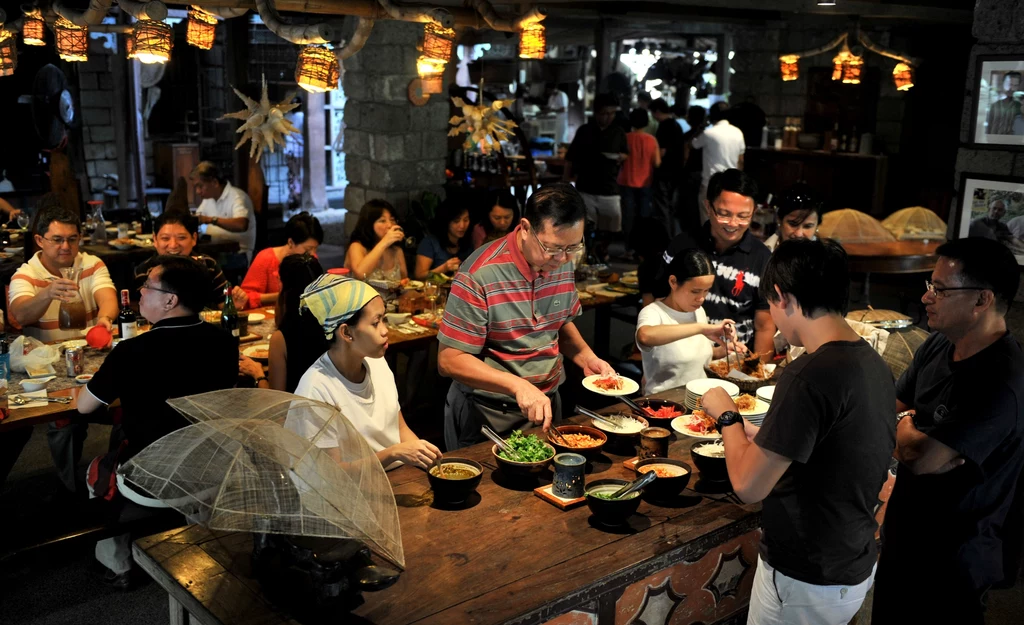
(723, 147)
(558, 103)
(225, 211)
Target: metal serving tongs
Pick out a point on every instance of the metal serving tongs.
(635, 407)
(500, 442)
(558, 435)
(646, 479)
(725, 339)
(593, 415)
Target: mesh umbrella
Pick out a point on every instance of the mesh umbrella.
(265, 461)
(850, 226)
(915, 222)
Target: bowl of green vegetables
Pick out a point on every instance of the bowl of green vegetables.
(532, 455)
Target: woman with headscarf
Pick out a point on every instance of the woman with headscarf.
(353, 376)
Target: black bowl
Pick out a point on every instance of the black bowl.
(665, 487)
(710, 468)
(618, 442)
(587, 452)
(455, 491)
(654, 404)
(611, 512)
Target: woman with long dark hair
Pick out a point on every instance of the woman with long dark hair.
(262, 283)
(500, 219)
(446, 246)
(375, 250)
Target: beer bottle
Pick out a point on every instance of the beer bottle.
(229, 316)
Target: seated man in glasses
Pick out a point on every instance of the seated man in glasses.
(509, 322)
(739, 260)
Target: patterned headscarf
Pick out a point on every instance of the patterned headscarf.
(334, 299)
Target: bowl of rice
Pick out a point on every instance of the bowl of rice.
(709, 457)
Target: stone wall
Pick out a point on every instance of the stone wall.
(393, 150)
(95, 97)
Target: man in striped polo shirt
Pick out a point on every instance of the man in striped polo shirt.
(508, 323)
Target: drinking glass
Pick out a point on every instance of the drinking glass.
(72, 315)
(430, 292)
(23, 220)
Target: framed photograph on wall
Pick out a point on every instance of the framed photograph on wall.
(992, 207)
(998, 110)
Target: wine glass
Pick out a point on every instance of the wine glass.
(430, 292)
(23, 220)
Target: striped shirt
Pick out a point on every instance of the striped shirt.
(33, 277)
(509, 315)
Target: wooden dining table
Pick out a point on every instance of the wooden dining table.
(891, 258)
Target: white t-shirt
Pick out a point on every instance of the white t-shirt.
(723, 145)
(371, 406)
(232, 203)
(559, 100)
(674, 364)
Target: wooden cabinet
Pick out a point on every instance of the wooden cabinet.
(175, 160)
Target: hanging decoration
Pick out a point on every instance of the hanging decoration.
(33, 29)
(438, 41)
(431, 73)
(483, 124)
(151, 42)
(8, 52)
(532, 41)
(789, 67)
(903, 76)
(202, 28)
(72, 41)
(317, 69)
(851, 68)
(265, 124)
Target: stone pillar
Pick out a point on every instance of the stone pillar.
(393, 149)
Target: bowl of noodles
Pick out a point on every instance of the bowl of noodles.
(709, 456)
(749, 374)
(582, 439)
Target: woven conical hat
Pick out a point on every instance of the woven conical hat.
(900, 348)
(872, 315)
(851, 226)
(916, 222)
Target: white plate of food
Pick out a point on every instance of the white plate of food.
(260, 351)
(751, 406)
(697, 424)
(74, 343)
(414, 284)
(610, 384)
(13, 250)
(121, 244)
(256, 317)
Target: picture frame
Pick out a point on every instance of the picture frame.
(997, 110)
(991, 207)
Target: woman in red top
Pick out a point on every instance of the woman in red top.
(262, 283)
(637, 173)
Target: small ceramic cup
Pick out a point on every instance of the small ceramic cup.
(569, 469)
(653, 443)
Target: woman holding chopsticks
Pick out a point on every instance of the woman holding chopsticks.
(673, 333)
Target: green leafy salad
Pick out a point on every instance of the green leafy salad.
(527, 448)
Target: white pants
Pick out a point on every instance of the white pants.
(604, 210)
(776, 599)
(115, 553)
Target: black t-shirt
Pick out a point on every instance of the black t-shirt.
(177, 357)
(832, 415)
(213, 271)
(976, 407)
(595, 173)
(670, 139)
(734, 294)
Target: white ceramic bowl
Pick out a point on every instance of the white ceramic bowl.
(84, 378)
(36, 384)
(256, 317)
(397, 319)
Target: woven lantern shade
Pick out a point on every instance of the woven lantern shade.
(532, 42)
(851, 226)
(903, 75)
(431, 73)
(72, 41)
(916, 222)
(8, 53)
(33, 30)
(789, 67)
(152, 42)
(317, 69)
(438, 41)
(852, 68)
(202, 29)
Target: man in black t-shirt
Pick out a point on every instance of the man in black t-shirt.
(960, 443)
(821, 457)
(145, 371)
(738, 257)
(594, 157)
(668, 176)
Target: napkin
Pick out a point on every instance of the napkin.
(31, 404)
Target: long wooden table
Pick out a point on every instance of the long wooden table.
(505, 557)
(893, 257)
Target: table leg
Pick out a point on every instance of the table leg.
(178, 614)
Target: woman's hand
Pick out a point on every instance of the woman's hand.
(452, 264)
(394, 235)
(418, 453)
(248, 366)
(240, 298)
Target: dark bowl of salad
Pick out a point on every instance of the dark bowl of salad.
(660, 412)
(609, 511)
(532, 455)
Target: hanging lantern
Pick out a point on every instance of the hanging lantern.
(438, 41)
(532, 41)
(852, 69)
(72, 40)
(152, 42)
(202, 29)
(903, 75)
(33, 29)
(431, 73)
(838, 61)
(8, 53)
(317, 69)
(129, 46)
(788, 67)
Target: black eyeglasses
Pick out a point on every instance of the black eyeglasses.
(150, 287)
(940, 291)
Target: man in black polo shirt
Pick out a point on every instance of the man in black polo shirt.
(594, 157)
(823, 453)
(738, 257)
(181, 355)
(960, 443)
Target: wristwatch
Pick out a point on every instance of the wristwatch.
(259, 379)
(906, 413)
(213, 220)
(726, 419)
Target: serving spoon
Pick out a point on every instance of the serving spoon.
(19, 400)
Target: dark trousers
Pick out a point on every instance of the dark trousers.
(922, 590)
(11, 444)
(636, 203)
(465, 413)
(665, 204)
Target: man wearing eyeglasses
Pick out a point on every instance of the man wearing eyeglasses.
(960, 445)
(509, 323)
(739, 259)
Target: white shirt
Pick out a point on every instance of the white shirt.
(1016, 226)
(674, 364)
(772, 242)
(33, 277)
(232, 203)
(723, 145)
(559, 100)
(685, 125)
(371, 406)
